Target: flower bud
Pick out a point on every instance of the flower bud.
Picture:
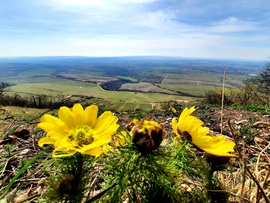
(132, 124)
(148, 135)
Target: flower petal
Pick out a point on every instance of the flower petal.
(46, 140)
(91, 115)
(48, 127)
(78, 115)
(104, 121)
(174, 126)
(65, 114)
(63, 131)
(215, 145)
(186, 112)
(67, 153)
(97, 151)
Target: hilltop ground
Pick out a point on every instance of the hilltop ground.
(19, 143)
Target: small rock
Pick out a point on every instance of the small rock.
(25, 151)
(261, 124)
(259, 140)
(240, 122)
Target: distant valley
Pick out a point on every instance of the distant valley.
(124, 82)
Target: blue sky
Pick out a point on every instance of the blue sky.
(185, 28)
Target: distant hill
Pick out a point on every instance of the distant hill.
(183, 65)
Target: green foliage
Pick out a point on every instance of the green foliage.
(139, 114)
(254, 91)
(262, 81)
(217, 192)
(9, 148)
(172, 173)
(128, 78)
(191, 168)
(175, 172)
(141, 177)
(21, 171)
(68, 181)
(66, 77)
(248, 132)
(263, 109)
(215, 97)
(246, 95)
(3, 87)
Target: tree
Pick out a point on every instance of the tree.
(3, 87)
(262, 83)
(262, 80)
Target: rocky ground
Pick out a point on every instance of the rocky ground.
(19, 136)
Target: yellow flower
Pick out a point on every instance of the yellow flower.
(173, 110)
(186, 124)
(190, 128)
(120, 138)
(147, 135)
(217, 145)
(78, 130)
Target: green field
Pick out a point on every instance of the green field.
(116, 100)
(29, 83)
(131, 85)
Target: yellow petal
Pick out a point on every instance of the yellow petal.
(67, 153)
(65, 144)
(108, 129)
(190, 122)
(120, 139)
(174, 126)
(57, 129)
(104, 121)
(105, 137)
(186, 112)
(51, 119)
(135, 121)
(222, 151)
(91, 115)
(216, 145)
(97, 151)
(106, 149)
(96, 143)
(46, 140)
(220, 146)
(78, 115)
(65, 114)
(48, 127)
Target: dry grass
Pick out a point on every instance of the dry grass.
(246, 179)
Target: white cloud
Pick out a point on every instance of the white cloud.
(186, 45)
(232, 24)
(135, 27)
(134, 1)
(78, 3)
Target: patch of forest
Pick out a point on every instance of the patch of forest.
(114, 85)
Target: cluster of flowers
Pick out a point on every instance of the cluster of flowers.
(81, 130)
(134, 164)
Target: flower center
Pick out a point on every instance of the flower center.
(81, 135)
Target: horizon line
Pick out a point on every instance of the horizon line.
(134, 56)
